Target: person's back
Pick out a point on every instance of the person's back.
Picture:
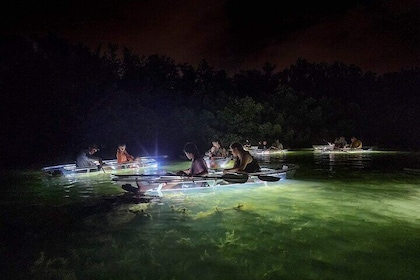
(337, 143)
(198, 167)
(82, 159)
(356, 143)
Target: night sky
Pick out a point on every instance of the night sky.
(378, 36)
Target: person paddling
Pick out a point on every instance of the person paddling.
(244, 161)
(86, 158)
(198, 164)
(122, 154)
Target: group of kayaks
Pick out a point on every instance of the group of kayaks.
(143, 178)
(331, 149)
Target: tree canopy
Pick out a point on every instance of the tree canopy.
(57, 98)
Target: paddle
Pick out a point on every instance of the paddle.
(102, 167)
(130, 188)
(243, 178)
(268, 178)
(228, 177)
(142, 175)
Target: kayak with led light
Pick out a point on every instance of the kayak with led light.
(218, 162)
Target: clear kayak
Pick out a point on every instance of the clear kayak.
(156, 184)
(108, 165)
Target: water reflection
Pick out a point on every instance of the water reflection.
(306, 228)
(335, 161)
(82, 186)
(271, 159)
(85, 185)
(75, 185)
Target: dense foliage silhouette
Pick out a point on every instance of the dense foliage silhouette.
(58, 97)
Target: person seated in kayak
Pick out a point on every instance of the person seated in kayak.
(340, 143)
(276, 145)
(198, 164)
(122, 155)
(244, 161)
(355, 143)
(217, 150)
(86, 158)
(247, 145)
(263, 145)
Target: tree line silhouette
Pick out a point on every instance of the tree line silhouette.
(57, 97)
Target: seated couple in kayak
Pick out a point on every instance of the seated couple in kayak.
(216, 150)
(244, 162)
(86, 158)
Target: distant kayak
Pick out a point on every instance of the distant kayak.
(255, 151)
(345, 150)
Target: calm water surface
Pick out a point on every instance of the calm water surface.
(343, 216)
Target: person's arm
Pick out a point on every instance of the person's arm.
(211, 153)
(119, 157)
(246, 158)
(95, 158)
(198, 167)
(129, 157)
(184, 172)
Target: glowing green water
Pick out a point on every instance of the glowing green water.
(341, 217)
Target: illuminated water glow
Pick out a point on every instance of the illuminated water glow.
(335, 220)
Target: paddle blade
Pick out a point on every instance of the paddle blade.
(235, 178)
(130, 188)
(268, 178)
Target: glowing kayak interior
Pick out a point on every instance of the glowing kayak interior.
(109, 165)
(156, 184)
(218, 162)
